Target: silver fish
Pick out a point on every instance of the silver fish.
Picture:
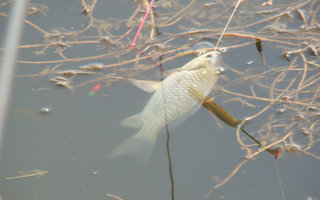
(170, 102)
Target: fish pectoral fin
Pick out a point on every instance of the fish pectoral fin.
(146, 85)
(133, 121)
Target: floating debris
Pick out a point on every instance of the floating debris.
(32, 173)
(286, 55)
(74, 72)
(269, 3)
(61, 81)
(275, 27)
(35, 9)
(58, 79)
(286, 97)
(281, 110)
(210, 4)
(45, 110)
(300, 116)
(91, 67)
(293, 148)
(312, 108)
(250, 62)
(108, 41)
(305, 131)
(94, 173)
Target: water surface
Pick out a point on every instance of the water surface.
(73, 139)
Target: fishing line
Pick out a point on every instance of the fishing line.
(168, 136)
(169, 161)
(167, 128)
(141, 24)
(227, 24)
(162, 77)
(279, 180)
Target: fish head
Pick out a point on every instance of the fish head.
(208, 60)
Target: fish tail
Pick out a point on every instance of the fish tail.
(139, 145)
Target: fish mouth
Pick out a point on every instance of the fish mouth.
(214, 57)
(211, 55)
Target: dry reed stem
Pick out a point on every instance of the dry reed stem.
(114, 196)
(269, 146)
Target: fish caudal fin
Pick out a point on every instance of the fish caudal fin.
(133, 121)
(140, 147)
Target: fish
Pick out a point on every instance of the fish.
(171, 102)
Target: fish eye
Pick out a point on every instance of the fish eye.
(209, 56)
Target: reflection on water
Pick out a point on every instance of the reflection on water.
(72, 91)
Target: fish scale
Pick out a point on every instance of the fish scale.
(176, 96)
(172, 100)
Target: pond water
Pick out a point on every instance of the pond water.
(66, 134)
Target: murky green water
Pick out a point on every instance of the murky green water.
(71, 142)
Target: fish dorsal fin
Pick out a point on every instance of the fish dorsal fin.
(133, 121)
(146, 85)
